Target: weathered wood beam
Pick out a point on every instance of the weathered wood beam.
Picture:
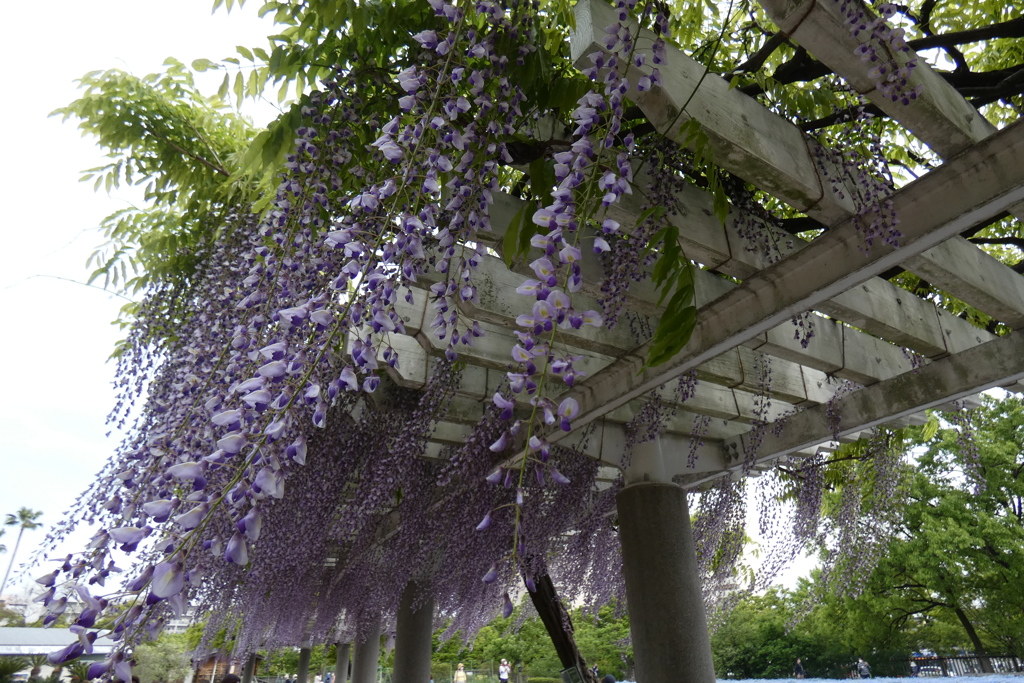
(960, 375)
(979, 182)
(877, 307)
(767, 150)
(940, 117)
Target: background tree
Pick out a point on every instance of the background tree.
(165, 659)
(958, 555)
(37, 662)
(78, 671)
(23, 519)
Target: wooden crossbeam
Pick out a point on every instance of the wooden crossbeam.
(940, 117)
(767, 150)
(979, 183)
(960, 375)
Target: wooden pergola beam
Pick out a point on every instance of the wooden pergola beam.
(940, 117)
(767, 150)
(978, 183)
(992, 364)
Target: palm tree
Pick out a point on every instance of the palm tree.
(25, 519)
(37, 662)
(10, 666)
(79, 671)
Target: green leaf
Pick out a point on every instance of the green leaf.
(542, 178)
(510, 242)
(245, 52)
(673, 333)
(204, 64)
(931, 428)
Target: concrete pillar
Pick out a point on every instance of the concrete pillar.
(341, 662)
(659, 560)
(304, 654)
(414, 631)
(249, 669)
(367, 652)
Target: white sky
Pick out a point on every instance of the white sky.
(56, 335)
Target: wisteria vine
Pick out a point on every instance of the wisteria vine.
(286, 460)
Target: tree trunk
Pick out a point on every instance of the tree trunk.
(559, 626)
(979, 649)
(11, 563)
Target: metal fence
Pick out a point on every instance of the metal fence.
(962, 665)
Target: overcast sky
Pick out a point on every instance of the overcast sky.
(56, 335)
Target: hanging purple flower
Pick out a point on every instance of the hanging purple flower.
(229, 419)
(168, 579)
(129, 535)
(236, 551)
(186, 471)
(251, 524)
(193, 518)
(297, 450)
(506, 405)
(568, 410)
(558, 477)
(141, 581)
(492, 574)
(48, 580)
(231, 444)
(159, 510)
(268, 482)
(99, 669)
(501, 444)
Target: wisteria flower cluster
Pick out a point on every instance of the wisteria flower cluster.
(282, 474)
(271, 415)
(881, 49)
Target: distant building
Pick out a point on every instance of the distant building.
(42, 641)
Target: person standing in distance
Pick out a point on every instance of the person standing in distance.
(863, 669)
(504, 671)
(460, 674)
(798, 669)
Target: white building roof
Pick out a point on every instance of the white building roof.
(41, 641)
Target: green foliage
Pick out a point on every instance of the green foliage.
(166, 659)
(184, 150)
(10, 617)
(763, 636)
(10, 666)
(37, 662)
(286, 661)
(78, 671)
(958, 557)
(602, 639)
(753, 641)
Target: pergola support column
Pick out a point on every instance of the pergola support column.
(414, 632)
(367, 652)
(341, 654)
(659, 560)
(304, 654)
(249, 669)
